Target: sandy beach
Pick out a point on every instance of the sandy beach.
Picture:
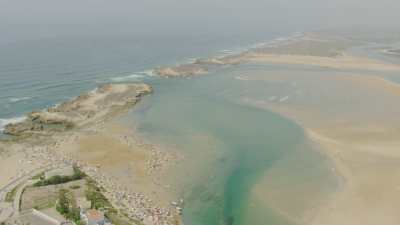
(347, 114)
(352, 121)
(130, 171)
(309, 50)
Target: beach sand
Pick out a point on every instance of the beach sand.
(132, 173)
(116, 152)
(352, 118)
(312, 49)
(345, 62)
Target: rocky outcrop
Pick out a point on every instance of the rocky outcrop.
(198, 67)
(181, 70)
(85, 108)
(38, 122)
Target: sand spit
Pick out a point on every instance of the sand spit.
(353, 119)
(310, 49)
(84, 109)
(341, 62)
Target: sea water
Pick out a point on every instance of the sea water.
(38, 73)
(229, 148)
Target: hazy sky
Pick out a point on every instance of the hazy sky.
(46, 17)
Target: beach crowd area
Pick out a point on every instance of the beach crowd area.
(344, 100)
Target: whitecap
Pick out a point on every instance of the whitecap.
(132, 77)
(189, 60)
(15, 99)
(227, 51)
(4, 122)
(242, 78)
(284, 99)
(147, 72)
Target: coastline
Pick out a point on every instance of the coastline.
(307, 50)
(105, 149)
(362, 146)
(93, 133)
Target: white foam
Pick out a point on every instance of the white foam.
(137, 76)
(227, 52)
(189, 60)
(148, 73)
(242, 78)
(284, 99)
(233, 51)
(4, 122)
(14, 99)
(92, 92)
(281, 40)
(132, 77)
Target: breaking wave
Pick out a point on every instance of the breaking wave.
(4, 122)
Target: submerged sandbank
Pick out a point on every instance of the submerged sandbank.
(349, 116)
(353, 118)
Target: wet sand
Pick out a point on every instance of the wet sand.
(352, 118)
(311, 49)
(349, 116)
(132, 173)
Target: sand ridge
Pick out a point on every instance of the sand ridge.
(359, 134)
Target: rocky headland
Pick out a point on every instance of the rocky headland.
(85, 132)
(84, 109)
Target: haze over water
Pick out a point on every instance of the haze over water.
(228, 149)
(36, 74)
(243, 165)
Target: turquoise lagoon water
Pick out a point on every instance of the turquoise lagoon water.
(229, 147)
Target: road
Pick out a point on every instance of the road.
(7, 209)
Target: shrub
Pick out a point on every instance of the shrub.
(63, 203)
(78, 174)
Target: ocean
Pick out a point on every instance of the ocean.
(39, 73)
(236, 158)
(231, 149)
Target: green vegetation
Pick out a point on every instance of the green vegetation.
(66, 207)
(96, 198)
(99, 201)
(63, 202)
(74, 186)
(11, 194)
(61, 179)
(118, 220)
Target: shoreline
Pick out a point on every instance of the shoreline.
(83, 130)
(361, 142)
(44, 139)
(262, 52)
(308, 49)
